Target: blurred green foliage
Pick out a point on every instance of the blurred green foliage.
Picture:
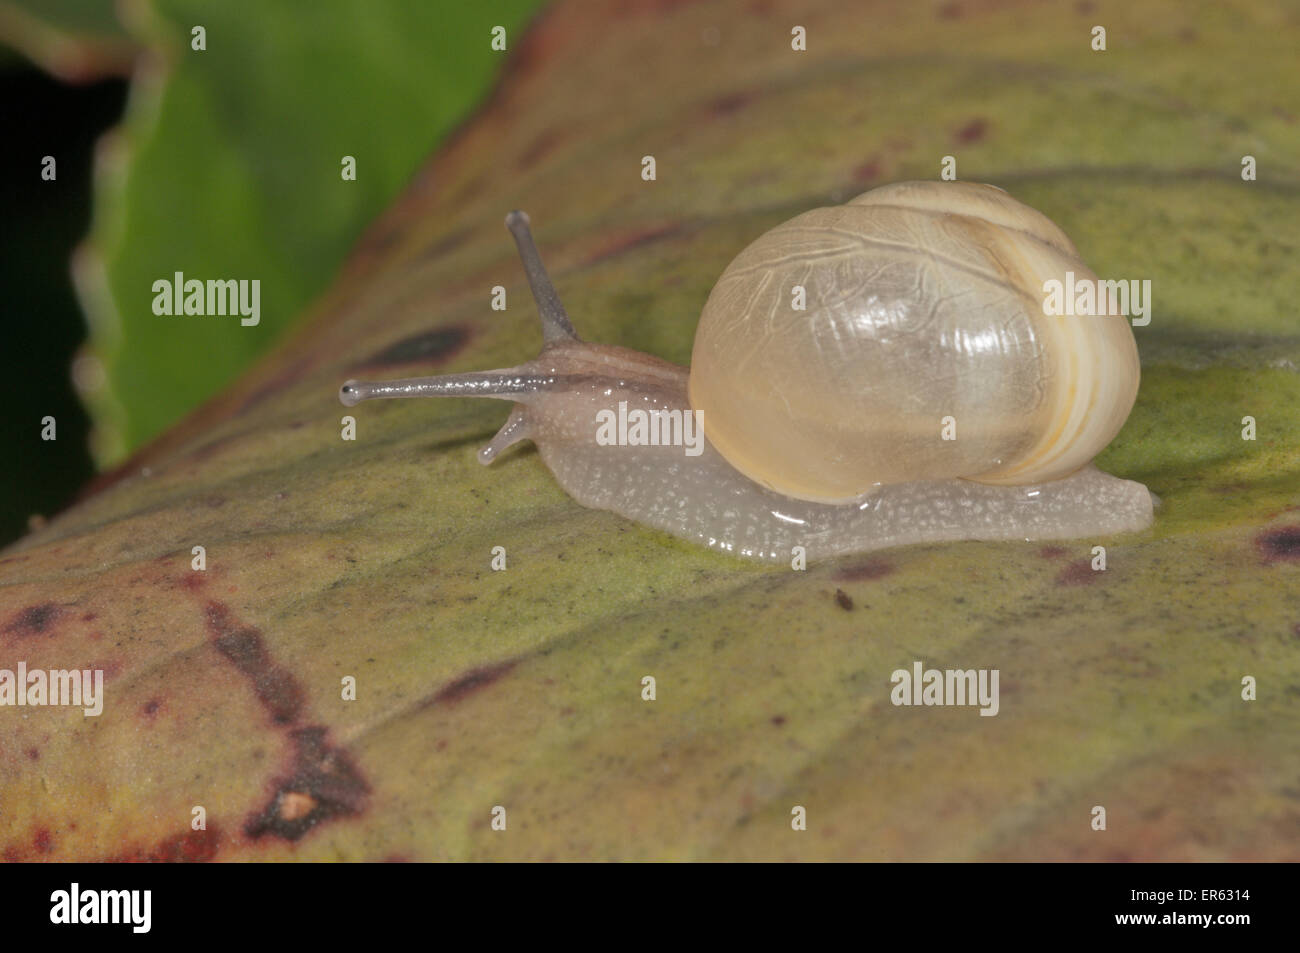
(229, 166)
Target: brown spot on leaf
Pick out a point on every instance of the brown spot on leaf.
(973, 131)
(34, 620)
(188, 847)
(471, 682)
(869, 171)
(843, 600)
(731, 103)
(431, 347)
(1276, 545)
(323, 783)
(1077, 573)
(950, 11)
(1052, 552)
(151, 707)
(872, 569)
(42, 841)
(276, 688)
(778, 720)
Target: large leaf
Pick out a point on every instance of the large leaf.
(522, 688)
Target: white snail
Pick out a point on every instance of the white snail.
(922, 394)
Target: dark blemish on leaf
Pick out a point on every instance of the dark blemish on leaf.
(731, 103)
(188, 847)
(42, 841)
(778, 720)
(626, 241)
(323, 784)
(950, 11)
(151, 707)
(1077, 573)
(33, 754)
(34, 620)
(427, 347)
(1052, 552)
(89, 617)
(215, 501)
(1085, 6)
(842, 600)
(869, 171)
(194, 579)
(872, 569)
(973, 131)
(277, 689)
(471, 682)
(1279, 544)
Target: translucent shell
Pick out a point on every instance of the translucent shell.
(924, 301)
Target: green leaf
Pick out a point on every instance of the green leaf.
(229, 166)
(522, 688)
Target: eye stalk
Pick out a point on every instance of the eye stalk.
(513, 383)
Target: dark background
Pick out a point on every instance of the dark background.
(43, 323)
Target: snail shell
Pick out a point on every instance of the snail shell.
(823, 426)
(924, 300)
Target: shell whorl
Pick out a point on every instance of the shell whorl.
(924, 300)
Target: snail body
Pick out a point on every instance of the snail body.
(922, 394)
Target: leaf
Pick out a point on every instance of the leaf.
(75, 40)
(229, 166)
(522, 688)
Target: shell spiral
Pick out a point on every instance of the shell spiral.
(924, 300)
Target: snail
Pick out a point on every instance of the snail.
(922, 394)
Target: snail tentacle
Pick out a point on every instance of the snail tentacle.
(556, 325)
